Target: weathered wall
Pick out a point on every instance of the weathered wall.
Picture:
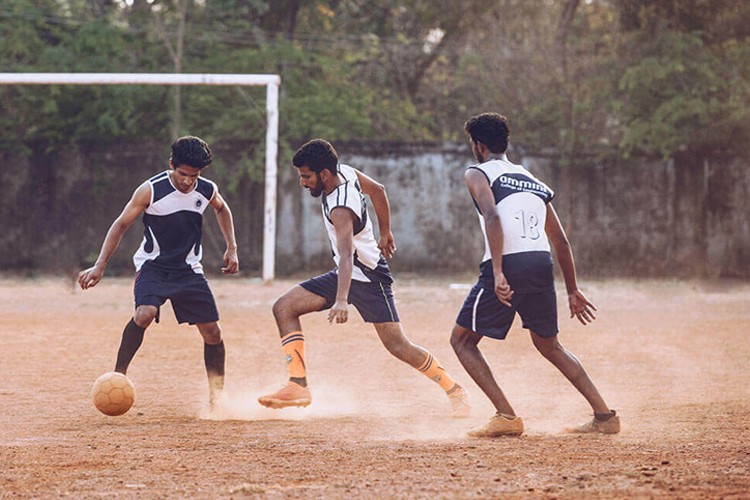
(56, 208)
(637, 217)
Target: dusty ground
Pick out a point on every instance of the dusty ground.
(672, 357)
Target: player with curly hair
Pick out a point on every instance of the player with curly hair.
(168, 261)
(518, 223)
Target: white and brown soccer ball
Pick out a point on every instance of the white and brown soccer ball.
(113, 394)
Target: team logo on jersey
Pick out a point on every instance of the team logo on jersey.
(198, 203)
(523, 184)
(508, 184)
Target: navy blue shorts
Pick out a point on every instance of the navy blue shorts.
(374, 301)
(192, 300)
(483, 313)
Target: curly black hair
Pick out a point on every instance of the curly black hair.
(317, 155)
(491, 129)
(191, 151)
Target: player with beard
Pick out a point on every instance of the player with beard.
(361, 277)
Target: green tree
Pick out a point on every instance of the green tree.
(686, 85)
(78, 38)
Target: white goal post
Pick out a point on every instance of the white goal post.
(271, 83)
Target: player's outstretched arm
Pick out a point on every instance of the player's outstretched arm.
(343, 222)
(137, 204)
(226, 224)
(480, 190)
(382, 206)
(580, 307)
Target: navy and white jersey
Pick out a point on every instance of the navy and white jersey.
(521, 203)
(369, 264)
(173, 223)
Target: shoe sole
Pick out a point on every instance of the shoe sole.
(578, 430)
(283, 403)
(495, 434)
(582, 433)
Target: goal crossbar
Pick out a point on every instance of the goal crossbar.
(271, 82)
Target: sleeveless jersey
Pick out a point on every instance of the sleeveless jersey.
(369, 264)
(520, 202)
(173, 224)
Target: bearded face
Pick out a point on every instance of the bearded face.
(311, 181)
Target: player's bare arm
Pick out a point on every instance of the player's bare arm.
(135, 207)
(480, 190)
(580, 306)
(343, 221)
(380, 203)
(226, 224)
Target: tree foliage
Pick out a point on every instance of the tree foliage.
(645, 76)
(685, 86)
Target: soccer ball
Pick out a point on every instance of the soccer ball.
(113, 394)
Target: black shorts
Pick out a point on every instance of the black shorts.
(483, 313)
(373, 300)
(192, 300)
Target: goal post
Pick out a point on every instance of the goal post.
(271, 82)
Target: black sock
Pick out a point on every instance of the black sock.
(132, 338)
(214, 355)
(301, 381)
(603, 417)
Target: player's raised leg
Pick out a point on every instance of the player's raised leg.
(132, 336)
(395, 341)
(605, 419)
(287, 310)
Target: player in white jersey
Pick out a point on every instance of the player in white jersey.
(168, 263)
(518, 222)
(361, 277)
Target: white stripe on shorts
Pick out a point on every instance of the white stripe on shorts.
(474, 310)
(385, 297)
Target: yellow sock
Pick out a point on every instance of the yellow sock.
(294, 348)
(432, 369)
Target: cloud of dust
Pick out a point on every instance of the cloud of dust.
(385, 415)
(327, 401)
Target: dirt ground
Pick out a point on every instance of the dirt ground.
(671, 357)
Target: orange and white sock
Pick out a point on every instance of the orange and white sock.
(432, 369)
(293, 345)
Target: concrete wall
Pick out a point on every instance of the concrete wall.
(637, 217)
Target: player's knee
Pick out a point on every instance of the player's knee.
(144, 316)
(547, 347)
(211, 334)
(459, 340)
(456, 341)
(282, 308)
